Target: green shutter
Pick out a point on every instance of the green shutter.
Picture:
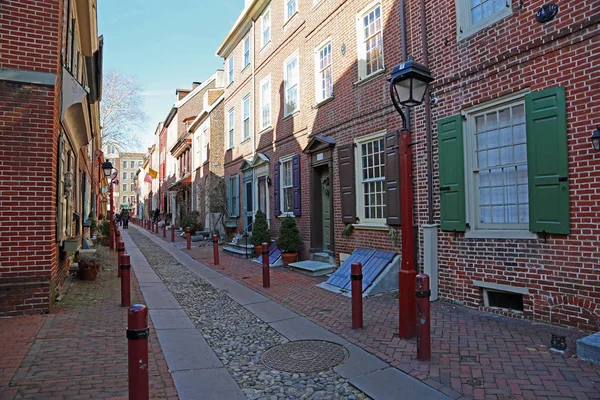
(452, 174)
(547, 161)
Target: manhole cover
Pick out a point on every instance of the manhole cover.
(304, 356)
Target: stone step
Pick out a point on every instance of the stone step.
(240, 251)
(588, 348)
(322, 257)
(312, 268)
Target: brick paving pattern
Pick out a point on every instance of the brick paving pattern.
(474, 354)
(79, 350)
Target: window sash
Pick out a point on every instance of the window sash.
(324, 75)
(287, 190)
(230, 127)
(371, 180)
(230, 69)
(291, 8)
(291, 86)
(266, 27)
(371, 42)
(246, 51)
(246, 111)
(265, 101)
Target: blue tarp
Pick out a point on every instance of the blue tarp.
(373, 263)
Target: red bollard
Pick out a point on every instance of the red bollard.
(172, 233)
(137, 352)
(165, 230)
(117, 238)
(188, 236)
(216, 249)
(120, 252)
(125, 286)
(357, 306)
(422, 294)
(266, 266)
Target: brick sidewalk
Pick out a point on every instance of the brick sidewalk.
(79, 350)
(474, 354)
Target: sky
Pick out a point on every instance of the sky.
(165, 44)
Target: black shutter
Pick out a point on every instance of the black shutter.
(347, 184)
(297, 203)
(392, 179)
(276, 189)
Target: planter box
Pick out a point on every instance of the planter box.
(71, 245)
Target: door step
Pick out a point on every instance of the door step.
(312, 268)
(322, 257)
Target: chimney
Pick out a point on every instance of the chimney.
(181, 93)
(195, 85)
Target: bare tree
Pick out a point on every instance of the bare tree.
(121, 110)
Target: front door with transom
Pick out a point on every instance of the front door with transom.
(325, 207)
(248, 201)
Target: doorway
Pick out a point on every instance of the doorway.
(325, 188)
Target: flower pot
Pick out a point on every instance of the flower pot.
(88, 271)
(289, 258)
(258, 250)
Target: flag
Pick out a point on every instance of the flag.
(148, 178)
(153, 173)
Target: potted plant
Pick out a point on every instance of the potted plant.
(88, 270)
(260, 232)
(289, 240)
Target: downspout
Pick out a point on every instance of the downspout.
(253, 90)
(404, 51)
(428, 137)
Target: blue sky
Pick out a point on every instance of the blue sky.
(165, 44)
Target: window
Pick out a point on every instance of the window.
(265, 23)
(291, 84)
(199, 159)
(246, 111)
(474, 15)
(205, 140)
(132, 187)
(246, 51)
(230, 125)
(124, 175)
(124, 164)
(132, 175)
(287, 188)
(111, 149)
(124, 187)
(132, 164)
(139, 163)
(370, 177)
(230, 70)
(323, 78)
(233, 196)
(265, 102)
(291, 7)
(370, 42)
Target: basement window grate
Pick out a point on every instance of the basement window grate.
(499, 299)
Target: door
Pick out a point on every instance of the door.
(248, 202)
(326, 208)
(262, 195)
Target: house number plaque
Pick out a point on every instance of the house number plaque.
(319, 156)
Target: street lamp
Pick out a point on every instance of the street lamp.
(408, 84)
(107, 168)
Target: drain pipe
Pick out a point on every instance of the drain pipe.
(404, 52)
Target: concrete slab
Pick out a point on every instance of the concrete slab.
(269, 311)
(237, 291)
(157, 297)
(302, 329)
(147, 277)
(391, 383)
(172, 322)
(207, 384)
(175, 312)
(186, 349)
(359, 363)
(312, 268)
(588, 348)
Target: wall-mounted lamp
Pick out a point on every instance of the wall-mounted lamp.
(596, 138)
(269, 180)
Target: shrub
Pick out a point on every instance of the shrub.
(105, 228)
(289, 240)
(260, 230)
(190, 220)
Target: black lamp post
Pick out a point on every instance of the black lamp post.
(596, 138)
(107, 168)
(408, 84)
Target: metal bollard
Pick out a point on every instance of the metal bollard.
(125, 266)
(120, 252)
(137, 352)
(357, 306)
(172, 233)
(266, 266)
(165, 230)
(216, 249)
(111, 236)
(422, 294)
(188, 236)
(117, 237)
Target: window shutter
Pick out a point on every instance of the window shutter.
(547, 161)
(347, 184)
(392, 179)
(276, 189)
(236, 196)
(297, 204)
(60, 198)
(230, 195)
(452, 174)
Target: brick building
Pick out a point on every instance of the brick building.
(307, 107)
(129, 164)
(50, 88)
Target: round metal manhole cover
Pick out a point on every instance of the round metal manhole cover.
(304, 356)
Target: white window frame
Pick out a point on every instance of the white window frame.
(464, 25)
(124, 199)
(124, 175)
(246, 117)
(319, 72)
(230, 128)
(246, 42)
(265, 25)
(477, 229)
(283, 161)
(295, 83)
(132, 164)
(205, 141)
(198, 155)
(230, 64)
(360, 203)
(361, 41)
(131, 188)
(265, 102)
(286, 12)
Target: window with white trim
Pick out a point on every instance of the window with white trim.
(287, 187)
(139, 163)
(230, 70)
(124, 175)
(370, 177)
(205, 143)
(265, 102)
(474, 15)
(198, 157)
(132, 187)
(124, 164)
(132, 175)
(124, 187)
(291, 8)
(291, 84)
(246, 51)
(132, 164)
(323, 75)
(497, 167)
(370, 41)
(265, 24)
(230, 125)
(246, 117)
(124, 200)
